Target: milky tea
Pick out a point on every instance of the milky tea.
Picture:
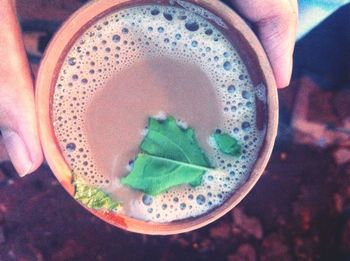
(156, 60)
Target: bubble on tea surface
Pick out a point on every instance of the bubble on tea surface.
(116, 38)
(209, 32)
(71, 147)
(186, 34)
(147, 200)
(227, 66)
(182, 206)
(200, 199)
(245, 94)
(72, 61)
(231, 89)
(192, 26)
(168, 16)
(245, 126)
(155, 12)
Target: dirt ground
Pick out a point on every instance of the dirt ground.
(299, 210)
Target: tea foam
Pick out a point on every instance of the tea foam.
(116, 42)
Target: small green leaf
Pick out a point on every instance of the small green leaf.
(169, 156)
(227, 144)
(93, 198)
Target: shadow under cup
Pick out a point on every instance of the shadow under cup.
(249, 49)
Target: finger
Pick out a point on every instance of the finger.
(17, 113)
(18, 124)
(276, 24)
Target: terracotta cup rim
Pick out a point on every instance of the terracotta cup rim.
(50, 65)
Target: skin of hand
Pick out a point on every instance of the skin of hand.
(19, 139)
(275, 22)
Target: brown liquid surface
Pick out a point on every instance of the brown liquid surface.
(117, 115)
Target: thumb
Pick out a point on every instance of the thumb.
(276, 25)
(17, 113)
(18, 124)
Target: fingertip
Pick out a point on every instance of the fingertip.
(24, 159)
(282, 80)
(32, 141)
(37, 159)
(17, 151)
(20, 135)
(282, 84)
(282, 70)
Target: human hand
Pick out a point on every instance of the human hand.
(18, 123)
(275, 22)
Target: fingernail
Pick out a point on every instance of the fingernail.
(17, 152)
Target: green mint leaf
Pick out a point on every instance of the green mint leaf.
(169, 156)
(227, 144)
(93, 198)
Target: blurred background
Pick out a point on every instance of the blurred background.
(299, 210)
